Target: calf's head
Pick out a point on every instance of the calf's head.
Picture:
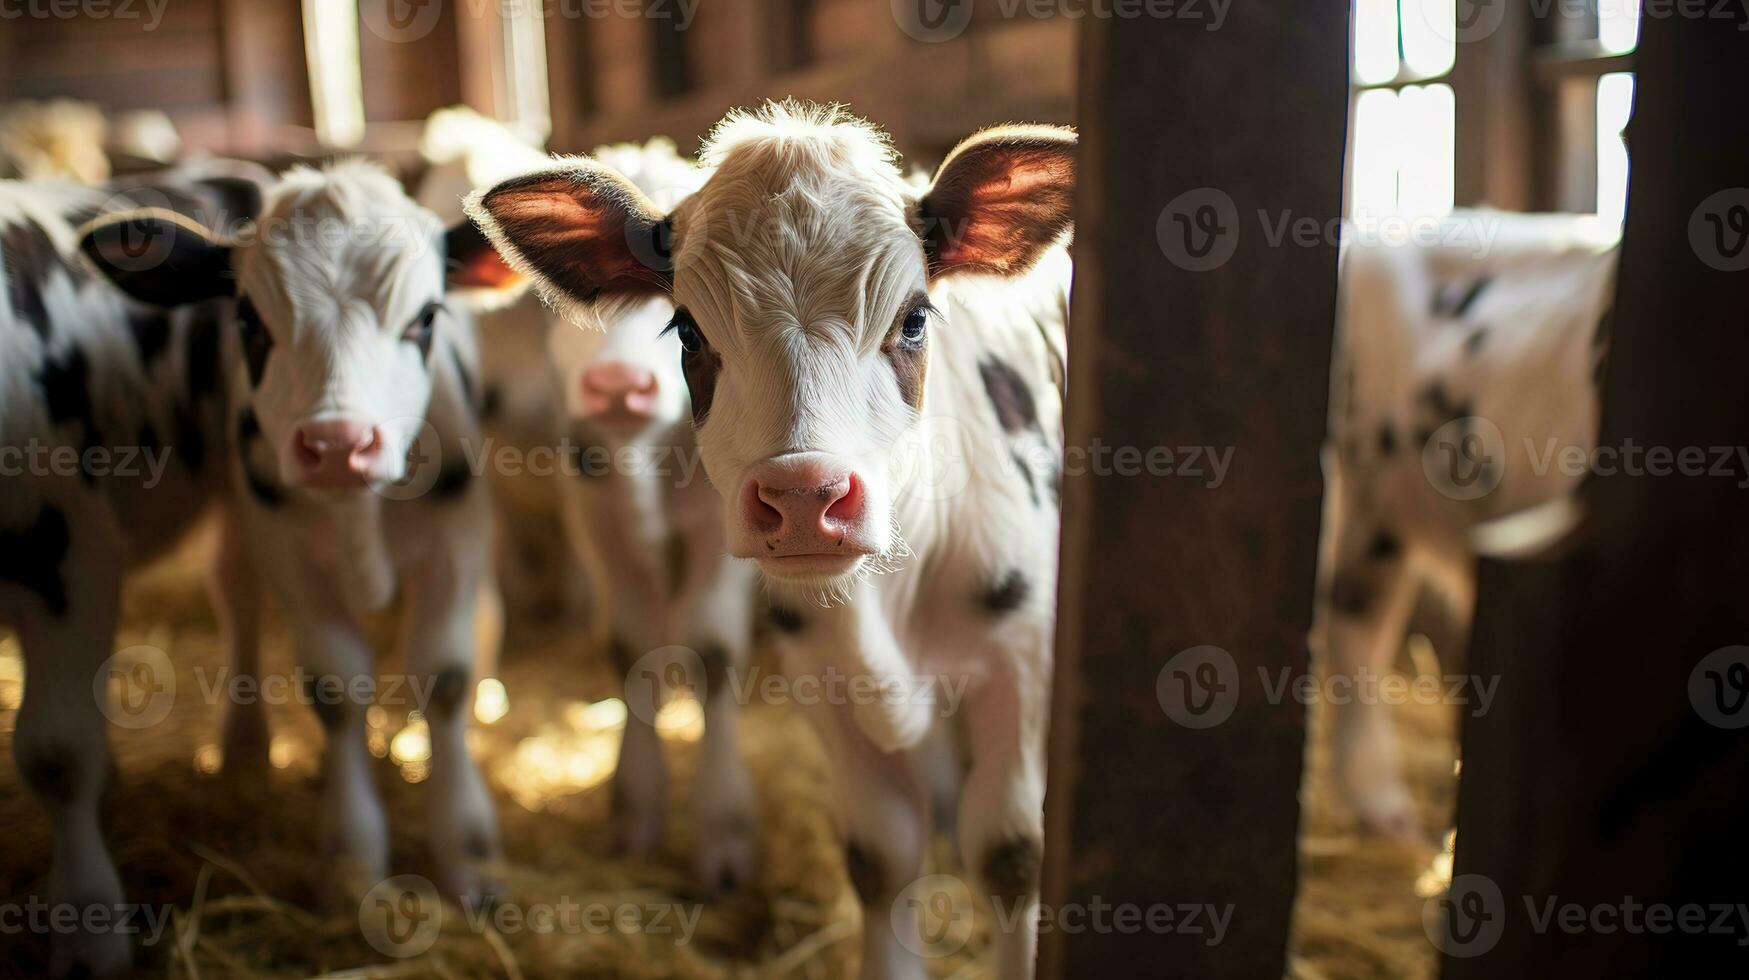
(336, 291)
(800, 276)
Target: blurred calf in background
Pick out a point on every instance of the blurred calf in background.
(1466, 376)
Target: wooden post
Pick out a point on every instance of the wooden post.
(1210, 184)
(1612, 775)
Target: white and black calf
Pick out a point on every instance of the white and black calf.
(284, 373)
(871, 368)
(1459, 367)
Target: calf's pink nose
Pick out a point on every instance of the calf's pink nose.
(617, 388)
(802, 505)
(334, 449)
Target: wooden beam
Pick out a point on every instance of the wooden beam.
(1608, 778)
(1175, 774)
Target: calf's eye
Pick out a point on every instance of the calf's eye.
(419, 331)
(691, 341)
(916, 324)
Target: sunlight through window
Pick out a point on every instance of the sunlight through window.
(1615, 101)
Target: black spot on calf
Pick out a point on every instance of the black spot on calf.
(30, 259)
(1006, 594)
(1011, 869)
(715, 661)
(201, 362)
(448, 690)
(1384, 546)
(1473, 343)
(1387, 440)
(151, 333)
(453, 480)
(51, 773)
(865, 873)
(785, 620)
(31, 558)
(66, 388)
(1009, 395)
(260, 487)
(1454, 301)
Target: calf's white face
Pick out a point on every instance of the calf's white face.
(800, 278)
(339, 291)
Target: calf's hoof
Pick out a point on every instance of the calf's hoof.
(726, 856)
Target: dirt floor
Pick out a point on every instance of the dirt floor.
(237, 860)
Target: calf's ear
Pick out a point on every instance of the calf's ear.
(160, 257)
(1000, 199)
(472, 263)
(579, 231)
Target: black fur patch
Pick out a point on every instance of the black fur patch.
(1384, 545)
(1025, 470)
(785, 620)
(464, 378)
(1007, 594)
(1387, 440)
(260, 487)
(66, 388)
(1473, 343)
(1011, 869)
(448, 690)
(190, 440)
(865, 873)
(1009, 395)
(619, 653)
(453, 481)
(151, 332)
(491, 403)
(202, 354)
(327, 698)
(52, 774)
(32, 558)
(30, 259)
(715, 661)
(1454, 301)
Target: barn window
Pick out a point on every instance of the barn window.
(1472, 103)
(1404, 115)
(336, 79)
(1580, 59)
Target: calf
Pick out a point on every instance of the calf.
(1459, 365)
(293, 369)
(647, 529)
(872, 392)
